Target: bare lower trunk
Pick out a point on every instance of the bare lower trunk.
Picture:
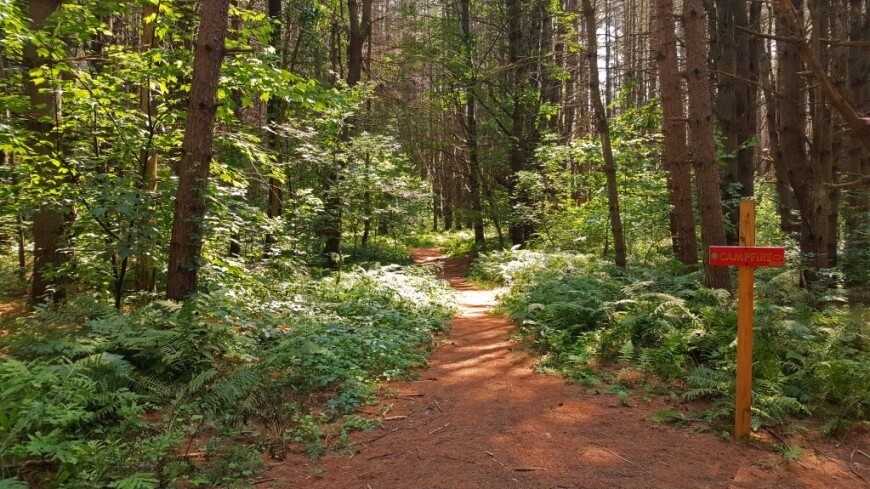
(856, 261)
(50, 219)
(703, 145)
(604, 134)
(360, 22)
(145, 270)
(470, 125)
(806, 177)
(185, 245)
(676, 155)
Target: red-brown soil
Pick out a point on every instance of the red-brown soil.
(480, 417)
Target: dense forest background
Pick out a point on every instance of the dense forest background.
(578, 125)
(257, 159)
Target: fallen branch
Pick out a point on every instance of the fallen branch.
(527, 469)
(394, 418)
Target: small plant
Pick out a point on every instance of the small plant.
(790, 452)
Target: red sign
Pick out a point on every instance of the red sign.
(747, 256)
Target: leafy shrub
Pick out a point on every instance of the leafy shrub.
(96, 398)
(579, 310)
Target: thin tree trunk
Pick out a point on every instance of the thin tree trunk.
(359, 22)
(822, 149)
(518, 152)
(185, 245)
(856, 260)
(703, 145)
(145, 270)
(676, 154)
(470, 123)
(274, 116)
(604, 134)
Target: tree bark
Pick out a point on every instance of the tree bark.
(604, 134)
(359, 16)
(791, 15)
(676, 154)
(185, 245)
(274, 115)
(703, 145)
(49, 220)
(856, 259)
(518, 152)
(470, 123)
(805, 177)
(736, 56)
(145, 270)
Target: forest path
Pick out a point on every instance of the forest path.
(480, 417)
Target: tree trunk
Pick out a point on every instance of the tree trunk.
(185, 245)
(604, 134)
(470, 124)
(676, 155)
(145, 270)
(274, 115)
(359, 22)
(518, 152)
(49, 221)
(703, 145)
(736, 54)
(856, 259)
(822, 149)
(785, 204)
(805, 177)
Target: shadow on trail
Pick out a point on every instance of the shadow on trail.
(482, 418)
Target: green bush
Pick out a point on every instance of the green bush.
(95, 398)
(808, 359)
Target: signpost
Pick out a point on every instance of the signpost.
(746, 257)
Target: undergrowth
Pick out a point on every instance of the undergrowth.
(192, 394)
(811, 356)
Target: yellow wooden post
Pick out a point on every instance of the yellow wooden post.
(745, 300)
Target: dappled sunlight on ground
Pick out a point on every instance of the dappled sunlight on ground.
(480, 417)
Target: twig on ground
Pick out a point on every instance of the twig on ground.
(394, 418)
(438, 406)
(618, 455)
(263, 481)
(383, 455)
(495, 458)
(852, 465)
(364, 442)
(436, 430)
(862, 452)
(459, 459)
(841, 461)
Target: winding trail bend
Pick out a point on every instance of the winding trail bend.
(480, 417)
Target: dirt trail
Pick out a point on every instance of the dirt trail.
(481, 418)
